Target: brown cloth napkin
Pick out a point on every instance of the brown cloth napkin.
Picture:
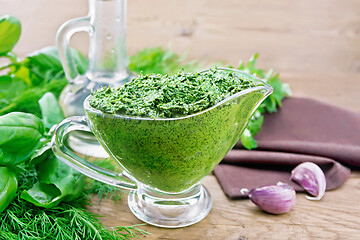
(302, 130)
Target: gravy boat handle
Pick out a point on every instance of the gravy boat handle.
(71, 159)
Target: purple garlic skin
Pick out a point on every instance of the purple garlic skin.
(311, 178)
(275, 199)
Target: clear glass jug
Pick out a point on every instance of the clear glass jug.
(106, 25)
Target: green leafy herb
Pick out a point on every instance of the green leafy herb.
(17, 86)
(160, 61)
(248, 140)
(23, 221)
(45, 63)
(42, 152)
(8, 187)
(271, 103)
(57, 182)
(100, 189)
(49, 186)
(20, 134)
(10, 30)
(50, 110)
(32, 77)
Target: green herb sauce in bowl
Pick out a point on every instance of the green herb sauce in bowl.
(169, 132)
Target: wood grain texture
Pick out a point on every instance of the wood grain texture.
(290, 35)
(336, 216)
(341, 89)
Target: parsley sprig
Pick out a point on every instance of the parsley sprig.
(271, 103)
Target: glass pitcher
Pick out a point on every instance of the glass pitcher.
(106, 25)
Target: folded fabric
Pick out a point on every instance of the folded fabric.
(303, 130)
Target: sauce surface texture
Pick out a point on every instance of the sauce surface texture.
(169, 96)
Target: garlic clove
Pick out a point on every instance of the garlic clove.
(311, 178)
(275, 199)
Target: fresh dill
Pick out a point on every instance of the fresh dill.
(102, 190)
(24, 221)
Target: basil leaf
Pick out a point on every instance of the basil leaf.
(42, 72)
(50, 110)
(47, 57)
(8, 187)
(57, 182)
(10, 30)
(10, 87)
(20, 135)
(42, 152)
(81, 62)
(45, 63)
(42, 195)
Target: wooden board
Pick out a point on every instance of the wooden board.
(336, 216)
(341, 89)
(294, 36)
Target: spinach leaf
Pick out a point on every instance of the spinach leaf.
(10, 30)
(19, 137)
(57, 182)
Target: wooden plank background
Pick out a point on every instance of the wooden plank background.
(290, 35)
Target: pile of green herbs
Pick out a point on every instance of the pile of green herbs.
(170, 95)
(41, 197)
(37, 197)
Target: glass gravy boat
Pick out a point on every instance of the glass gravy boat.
(164, 159)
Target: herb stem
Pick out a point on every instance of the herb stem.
(9, 66)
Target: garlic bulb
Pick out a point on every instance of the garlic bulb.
(275, 199)
(311, 178)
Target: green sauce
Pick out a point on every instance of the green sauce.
(171, 154)
(169, 96)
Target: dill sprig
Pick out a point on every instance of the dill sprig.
(102, 190)
(22, 220)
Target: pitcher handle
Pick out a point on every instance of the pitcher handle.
(71, 159)
(62, 41)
